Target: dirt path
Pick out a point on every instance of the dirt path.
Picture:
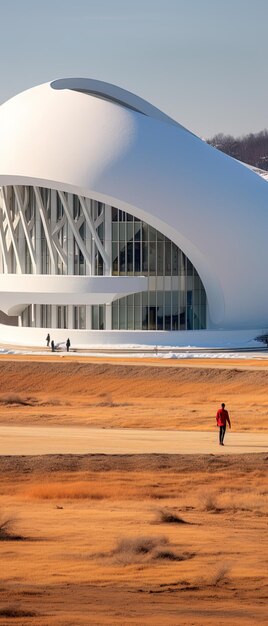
(18, 440)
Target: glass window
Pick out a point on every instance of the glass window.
(122, 267)
(145, 298)
(122, 232)
(152, 233)
(167, 258)
(130, 257)
(114, 214)
(137, 257)
(189, 268)
(115, 315)
(144, 232)
(152, 257)
(115, 257)
(122, 316)
(137, 318)
(175, 260)
(160, 258)
(130, 231)
(144, 257)
(137, 299)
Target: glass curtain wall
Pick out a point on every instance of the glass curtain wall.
(176, 298)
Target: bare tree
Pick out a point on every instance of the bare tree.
(251, 148)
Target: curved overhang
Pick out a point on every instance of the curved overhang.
(211, 206)
(113, 94)
(19, 290)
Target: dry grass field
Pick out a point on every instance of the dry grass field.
(171, 395)
(133, 540)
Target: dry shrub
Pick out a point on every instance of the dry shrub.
(15, 398)
(132, 549)
(139, 545)
(19, 400)
(234, 501)
(53, 402)
(12, 611)
(107, 400)
(169, 517)
(6, 532)
(244, 500)
(210, 502)
(172, 556)
(220, 574)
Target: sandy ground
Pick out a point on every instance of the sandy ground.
(20, 440)
(133, 539)
(170, 395)
(149, 539)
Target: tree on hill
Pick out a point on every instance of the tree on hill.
(251, 149)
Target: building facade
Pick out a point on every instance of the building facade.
(120, 226)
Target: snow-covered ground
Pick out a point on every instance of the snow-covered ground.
(156, 353)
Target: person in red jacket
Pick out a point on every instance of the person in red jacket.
(221, 418)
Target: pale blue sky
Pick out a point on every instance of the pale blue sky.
(204, 62)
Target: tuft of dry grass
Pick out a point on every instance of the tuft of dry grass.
(234, 500)
(210, 502)
(139, 545)
(107, 400)
(165, 516)
(129, 550)
(15, 398)
(12, 611)
(220, 574)
(170, 555)
(6, 531)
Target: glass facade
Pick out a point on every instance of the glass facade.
(176, 298)
(51, 232)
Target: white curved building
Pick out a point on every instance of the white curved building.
(119, 226)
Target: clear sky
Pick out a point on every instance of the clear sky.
(204, 62)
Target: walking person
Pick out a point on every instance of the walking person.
(48, 339)
(221, 418)
(52, 346)
(68, 343)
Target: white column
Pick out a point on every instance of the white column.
(108, 239)
(38, 243)
(70, 239)
(89, 317)
(108, 250)
(70, 316)
(53, 219)
(38, 315)
(108, 317)
(54, 319)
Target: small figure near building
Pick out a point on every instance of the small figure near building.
(221, 418)
(68, 344)
(48, 339)
(52, 346)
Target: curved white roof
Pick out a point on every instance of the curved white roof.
(100, 141)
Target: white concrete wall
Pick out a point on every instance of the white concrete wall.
(18, 291)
